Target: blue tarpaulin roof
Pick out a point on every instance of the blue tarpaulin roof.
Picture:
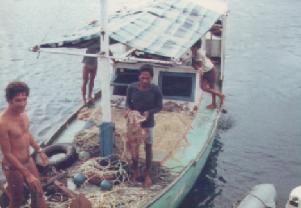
(167, 27)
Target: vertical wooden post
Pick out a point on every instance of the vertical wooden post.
(105, 65)
(107, 127)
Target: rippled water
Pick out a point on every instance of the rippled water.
(263, 89)
(260, 137)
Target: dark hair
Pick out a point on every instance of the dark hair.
(198, 44)
(14, 88)
(147, 68)
(219, 22)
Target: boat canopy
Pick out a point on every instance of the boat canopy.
(166, 28)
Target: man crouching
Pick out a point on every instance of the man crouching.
(15, 140)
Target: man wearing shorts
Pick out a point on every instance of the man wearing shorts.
(15, 140)
(208, 73)
(89, 73)
(146, 98)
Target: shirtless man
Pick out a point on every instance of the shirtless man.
(89, 74)
(15, 140)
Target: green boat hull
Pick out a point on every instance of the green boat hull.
(187, 163)
(191, 160)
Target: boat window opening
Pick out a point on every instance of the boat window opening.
(122, 79)
(177, 86)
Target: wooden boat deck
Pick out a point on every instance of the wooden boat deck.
(183, 153)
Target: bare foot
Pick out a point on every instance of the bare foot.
(91, 97)
(211, 106)
(135, 175)
(148, 181)
(90, 101)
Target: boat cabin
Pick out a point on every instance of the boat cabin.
(178, 80)
(162, 35)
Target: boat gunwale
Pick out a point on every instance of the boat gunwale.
(188, 166)
(184, 170)
(65, 124)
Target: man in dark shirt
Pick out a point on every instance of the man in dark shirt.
(145, 98)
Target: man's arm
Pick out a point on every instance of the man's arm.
(39, 151)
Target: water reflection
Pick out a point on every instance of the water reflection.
(209, 184)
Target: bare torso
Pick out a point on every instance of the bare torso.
(17, 129)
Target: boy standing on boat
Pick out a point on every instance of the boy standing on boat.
(89, 74)
(146, 98)
(15, 140)
(208, 73)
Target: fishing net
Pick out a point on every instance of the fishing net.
(136, 135)
(172, 126)
(89, 114)
(97, 169)
(88, 140)
(123, 193)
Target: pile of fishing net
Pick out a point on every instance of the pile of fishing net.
(170, 133)
(88, 140)
(88, 114)
(175, 107)
(103, 168)
(172, 126)
(124, 193)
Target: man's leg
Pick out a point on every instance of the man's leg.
(134, 150)
(148, 163)
(213, 104)
(136, 172)
(15, 187)
(148, 157)
(84, 84)
(208, 85)
(37, 199)
(212, 83)
(92, 73)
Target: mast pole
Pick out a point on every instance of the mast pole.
(105, 68)
(105, 64)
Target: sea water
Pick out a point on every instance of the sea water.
(259, 138)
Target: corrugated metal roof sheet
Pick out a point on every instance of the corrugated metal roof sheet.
(167, 27)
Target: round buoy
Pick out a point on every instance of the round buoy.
(294, 200)
(79, 179)
(106, 185)
(84, 155)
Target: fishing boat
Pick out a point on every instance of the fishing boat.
(160, 34)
